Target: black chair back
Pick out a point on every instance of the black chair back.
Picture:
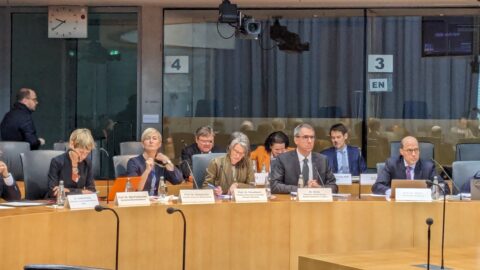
(36, 165)
(10, 154)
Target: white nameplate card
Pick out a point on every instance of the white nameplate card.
(246, 195)
(368, 178)
(197, 196)
(413, 195)
(343, 178)
(315, 194)
(260, 178)
(139, 198)
(82, 201)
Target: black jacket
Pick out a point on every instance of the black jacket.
(9, 193)
(17, 125)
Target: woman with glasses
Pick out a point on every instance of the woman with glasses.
(233, 170)
(151, 165)
(73, 167)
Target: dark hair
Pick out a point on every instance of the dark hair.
(339, 127)
(23, 93)
(275, 137)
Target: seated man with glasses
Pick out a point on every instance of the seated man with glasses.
(204, 144)
(408, 165)
(312, 166)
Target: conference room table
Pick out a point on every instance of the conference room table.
(228, 235)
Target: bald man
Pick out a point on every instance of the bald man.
(408, 165)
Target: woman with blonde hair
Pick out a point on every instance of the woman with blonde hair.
(151, 164)
(233, 170)
(73, 167)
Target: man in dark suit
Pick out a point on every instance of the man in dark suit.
(8, 187)
(17, 125)
(312, 166)
(343, 158)
(204, 144)
(408, 165)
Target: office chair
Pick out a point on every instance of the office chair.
(131, 148)
(199, 166)
(120, 164)
(10, 154)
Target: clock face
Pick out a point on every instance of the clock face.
(67, 22)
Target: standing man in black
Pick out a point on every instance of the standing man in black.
(17, 125)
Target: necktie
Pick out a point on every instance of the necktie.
(409, 172)
(305, 171)
(344, 163)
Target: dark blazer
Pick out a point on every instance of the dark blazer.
(17, 125)
(9, 193)
(137, 165)
(187, 154)
(286, 169)
(356, 163)
(395, 169)
(61, 169)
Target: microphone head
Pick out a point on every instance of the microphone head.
(171, 210)
(429, 221)
(98, 208)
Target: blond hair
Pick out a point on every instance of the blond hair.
(149, 132)
(82, 138)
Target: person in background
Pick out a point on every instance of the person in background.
(226, 173)
(8, 187)
(275, 144)
(312, 166)
(73, 167)
(151, 164)
(204, 144)
(408, 165)
(17, 125)
(344, 158)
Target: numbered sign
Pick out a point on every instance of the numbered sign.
(380, 63)
(176, 64)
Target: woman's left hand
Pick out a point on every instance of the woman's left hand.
(232, 188)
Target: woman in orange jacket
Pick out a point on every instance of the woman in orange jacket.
(275, 144)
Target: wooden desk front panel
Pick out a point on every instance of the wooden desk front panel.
(227, 235)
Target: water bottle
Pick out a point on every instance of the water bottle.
(301, 183)
(264, 168)
(128, 186)
(254, 166)
(162, 191)
(435, 189)
(61, 194)
(267, 187)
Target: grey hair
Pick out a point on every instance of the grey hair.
(296, 131)
(204, 131)
(242, 140)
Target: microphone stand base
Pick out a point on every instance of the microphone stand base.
(432, 267)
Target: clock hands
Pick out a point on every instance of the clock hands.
(58, 25)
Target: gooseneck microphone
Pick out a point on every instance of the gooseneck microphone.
(319, 176)
(443, 221)
(103, 150)
(429, 222)
(171, 210)
(454, 185)
(100, 208)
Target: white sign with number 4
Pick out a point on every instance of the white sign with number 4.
(176, 64)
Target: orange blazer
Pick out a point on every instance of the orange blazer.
(261, 156)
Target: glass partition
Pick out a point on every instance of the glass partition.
(213, 77)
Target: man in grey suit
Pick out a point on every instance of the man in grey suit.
(312, 166)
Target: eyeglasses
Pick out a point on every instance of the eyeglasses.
(411, 151)
(306, 137)
(205, 141)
